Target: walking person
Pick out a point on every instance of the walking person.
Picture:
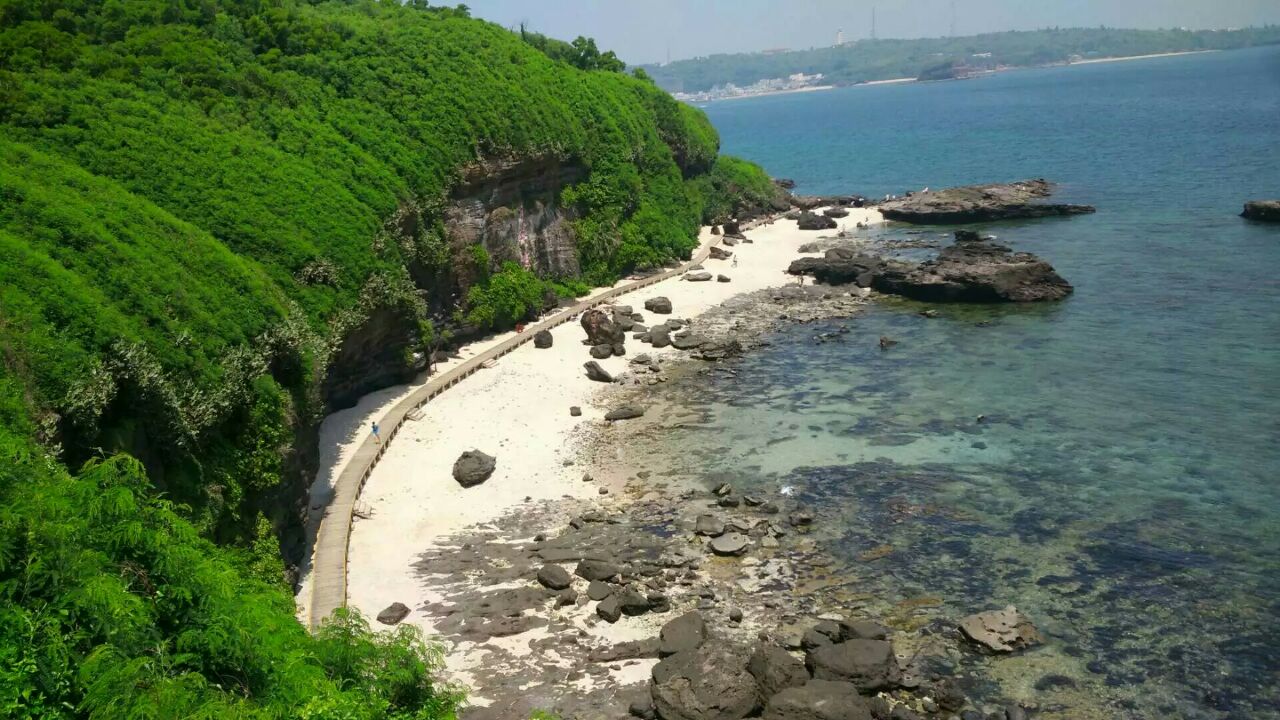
(376, 437)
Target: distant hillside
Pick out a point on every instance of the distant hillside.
(868, 60)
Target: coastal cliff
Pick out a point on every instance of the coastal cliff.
(218, 226)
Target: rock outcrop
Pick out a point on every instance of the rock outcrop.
(975, 270)
(1001, 631)
(979, 203)
(813, 221)
(819, 700)
(868, 664)
(601, 329)
(709, 683)
(840, 266)
(1262, 210)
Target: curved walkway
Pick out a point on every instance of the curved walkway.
(329, 558)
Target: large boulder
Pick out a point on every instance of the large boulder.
(868, 664)
(601, 329)
(979, 203)
(543, 339)
(1263, 210)
(813, 221)
(709, 683)
(473, 467)
(554, 577)
(975, 271)
(836, 212)
(775, 670)
(393, 613)
(660, 305)
(597, 373)
(660, 336)
(600, 352)
(719, 253)
(595, 569)
(818, 700)
(686, 632)
(698, 276)
(1001, 631)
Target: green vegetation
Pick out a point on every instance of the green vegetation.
(868, 60)
(734, 185)
(199, 201)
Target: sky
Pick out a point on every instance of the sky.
(644, 32)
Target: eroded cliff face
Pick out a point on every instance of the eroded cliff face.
(512, 207)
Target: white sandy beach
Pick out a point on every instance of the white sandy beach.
(1139, 57)
(519, 412)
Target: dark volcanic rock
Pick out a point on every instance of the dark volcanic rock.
(600, 352)
(660, 305)
(660, 336)
(543, 339)
(836, 212)
(601, 330)
(698, 276)
(818, 700)
(979, 203)
(626, 412)
(840, 266)
(1263, 210)
(393, 613)
(868, 664)
(554, 577)
(686, 632)
(710, 683)
(775, 670)
(975, 271)
(632, 602)
(609, 609)
(813, 221)
(591, 569)
(473, 467)
(687, 341)
(599, 590)
(730, 544)
(719, 253)
(597, 373)
(709, 525)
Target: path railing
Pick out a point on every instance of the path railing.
(329, 558)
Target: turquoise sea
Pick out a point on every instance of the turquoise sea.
(1110, 464)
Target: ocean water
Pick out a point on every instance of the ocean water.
(1110, 464)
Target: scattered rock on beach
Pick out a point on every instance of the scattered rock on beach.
(813, 221)
(1262, 210)
(730, 544)
(709, 525)
(868, 664)
(775, 669)
(979, 203)
(687, 341)
(836, 212)
(626, 412)
(393, 613)
(686, 632)
(600, 352)
(976, 270)
(610, 609)
(554, 577)
(660, 305)
(722, 278)
(719, 253)
(599, 590)
(473, 467)
(1002, 631)
(597, 373)
(543, 339)
(820, 700)
(698, 276)
(593, 569)
(601, 329)
(709, 683)
(575, 411)
(660, 336)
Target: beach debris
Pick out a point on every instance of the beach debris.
(709, 525)
(597, 373)
(393, 613)
(868, 664)
(730, 544)
(684, 633)
(414, 414)
(473, 467)
(554, 577)
(626, 412)
(1002, 631)
(543, 339)
(491, 362)
(698, 276)
(660, 305)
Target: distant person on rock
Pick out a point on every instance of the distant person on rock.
(735, 260)
(376, 437)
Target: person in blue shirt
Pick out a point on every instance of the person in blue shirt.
(376, 437)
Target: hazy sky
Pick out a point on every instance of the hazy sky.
(641, 32)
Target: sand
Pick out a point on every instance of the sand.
(517, 411)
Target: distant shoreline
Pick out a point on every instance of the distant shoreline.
(1123, 58)
(809, 88)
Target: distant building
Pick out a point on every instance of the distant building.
(839, 37)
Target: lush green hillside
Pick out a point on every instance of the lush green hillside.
(201, 201)
(868, 60)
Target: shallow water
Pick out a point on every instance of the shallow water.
(1122, 486)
